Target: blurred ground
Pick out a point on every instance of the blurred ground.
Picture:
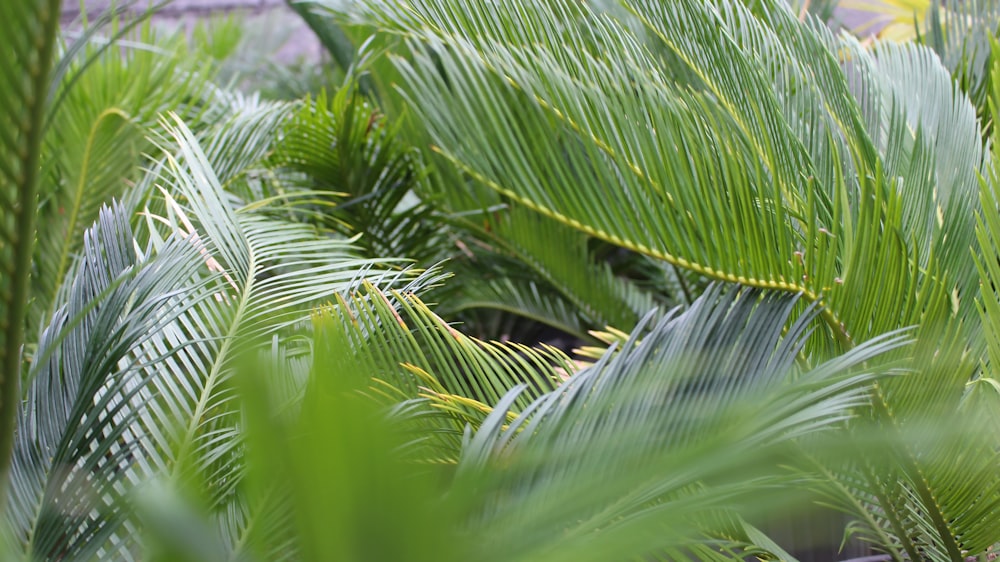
(864, 23)
(269, 22)
(277, 27)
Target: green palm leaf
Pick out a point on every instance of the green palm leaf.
(96, 143)
(648, 453)
(274, 270)
(528, 265)
(77, 438)
(673, 408)
(416, 351)
(748, 146)
(744, 174)
(341, 144)
(153, 396)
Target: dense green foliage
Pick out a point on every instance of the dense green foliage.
(776, 246)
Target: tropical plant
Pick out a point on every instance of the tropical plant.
(129, 378)
(829, 167)
(235, 364)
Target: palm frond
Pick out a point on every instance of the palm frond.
(97, 140)
(77, 440)
(157, 400)
(640, 455)
(64, 74)
(930, 140)
(741, 176)
(986, 388)
(341, 144)
(528, 265)
(678, 389)
(775, 176)
(275, 271)
(528, 299)
(960, 34)
(958, 31)
(403, 343)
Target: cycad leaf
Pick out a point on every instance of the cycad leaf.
(97, 142)
(640, 455)
(274, 271)
(656, 432)
(159, 401)
(77, 443)
(528, 265)
(341, 144)
(408, 346)
(762, 174)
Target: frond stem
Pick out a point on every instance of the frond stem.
(829, 317)
(919, 482)
(81, 188)
(860, 510)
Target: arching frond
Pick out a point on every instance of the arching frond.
(527, 265)
(274, 271)
(341, 144)
(96, 145)
(151, 343)
(766, 175)
(642, 454)
(77, 440)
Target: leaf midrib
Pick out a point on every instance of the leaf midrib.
(74, 216)
(186, 446)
